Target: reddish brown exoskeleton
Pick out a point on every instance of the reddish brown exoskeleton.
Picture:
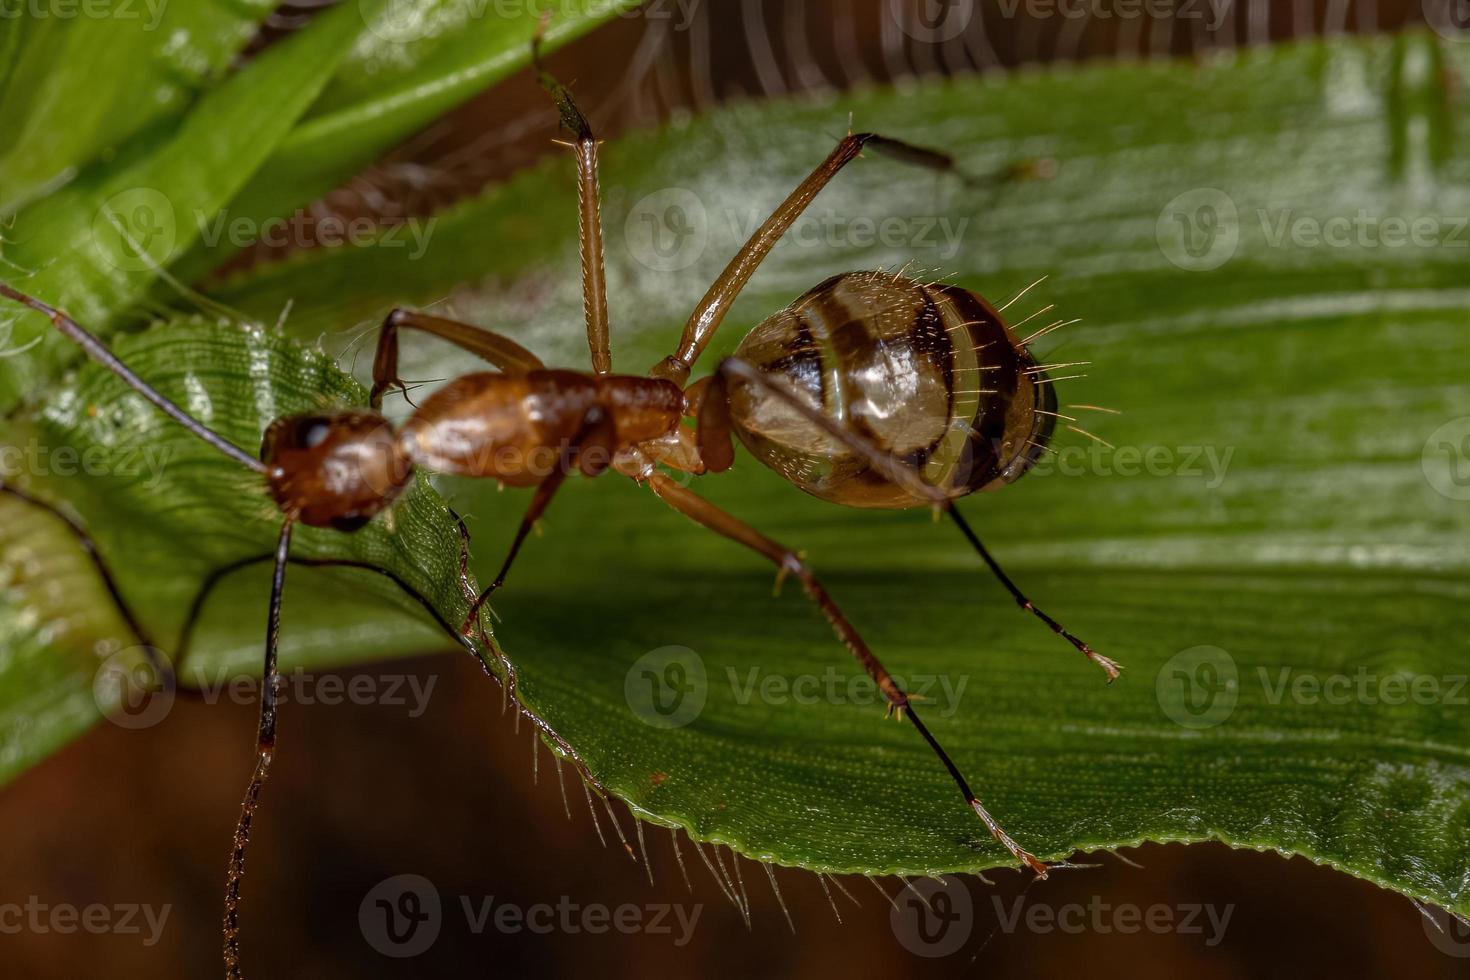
(872, 390)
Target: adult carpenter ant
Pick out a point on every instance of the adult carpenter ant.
(871, 390)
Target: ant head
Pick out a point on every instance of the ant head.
(335, 471)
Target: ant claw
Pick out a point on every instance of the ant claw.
(1110, 666)
(1037, 866)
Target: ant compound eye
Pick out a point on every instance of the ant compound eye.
(295, 433)
(315, 434)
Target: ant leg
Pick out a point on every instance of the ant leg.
(678, 450)
(703, 512)
(594, 279)
(466, 584)
(715, 404)
(265, 748)
(98, 352)
(163, 672)
(598, 432)
(214, 578)
(1111, 667)
(498, 350)
(716, 303)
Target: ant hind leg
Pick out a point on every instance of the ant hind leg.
(787, 561)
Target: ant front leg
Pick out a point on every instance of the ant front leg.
(711, 310)
(265, 749)
(718, 453)
(788, 562)
(496, 349)
(590, 451)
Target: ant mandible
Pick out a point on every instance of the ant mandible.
(871, 390)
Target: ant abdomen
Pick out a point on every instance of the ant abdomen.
(929, 372)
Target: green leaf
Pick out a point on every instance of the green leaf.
(52, 644)
(155, 55)
(1281, 516)
(97, 245)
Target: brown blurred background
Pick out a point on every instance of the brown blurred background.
(128, 819)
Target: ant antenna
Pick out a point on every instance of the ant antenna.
(99, 353)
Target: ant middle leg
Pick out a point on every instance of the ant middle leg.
(590, 451)
(717, 451)
(787, 562)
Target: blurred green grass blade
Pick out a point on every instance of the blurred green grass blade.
(413, 64)
(156, 56)
(1280, 514)
(95, 246)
